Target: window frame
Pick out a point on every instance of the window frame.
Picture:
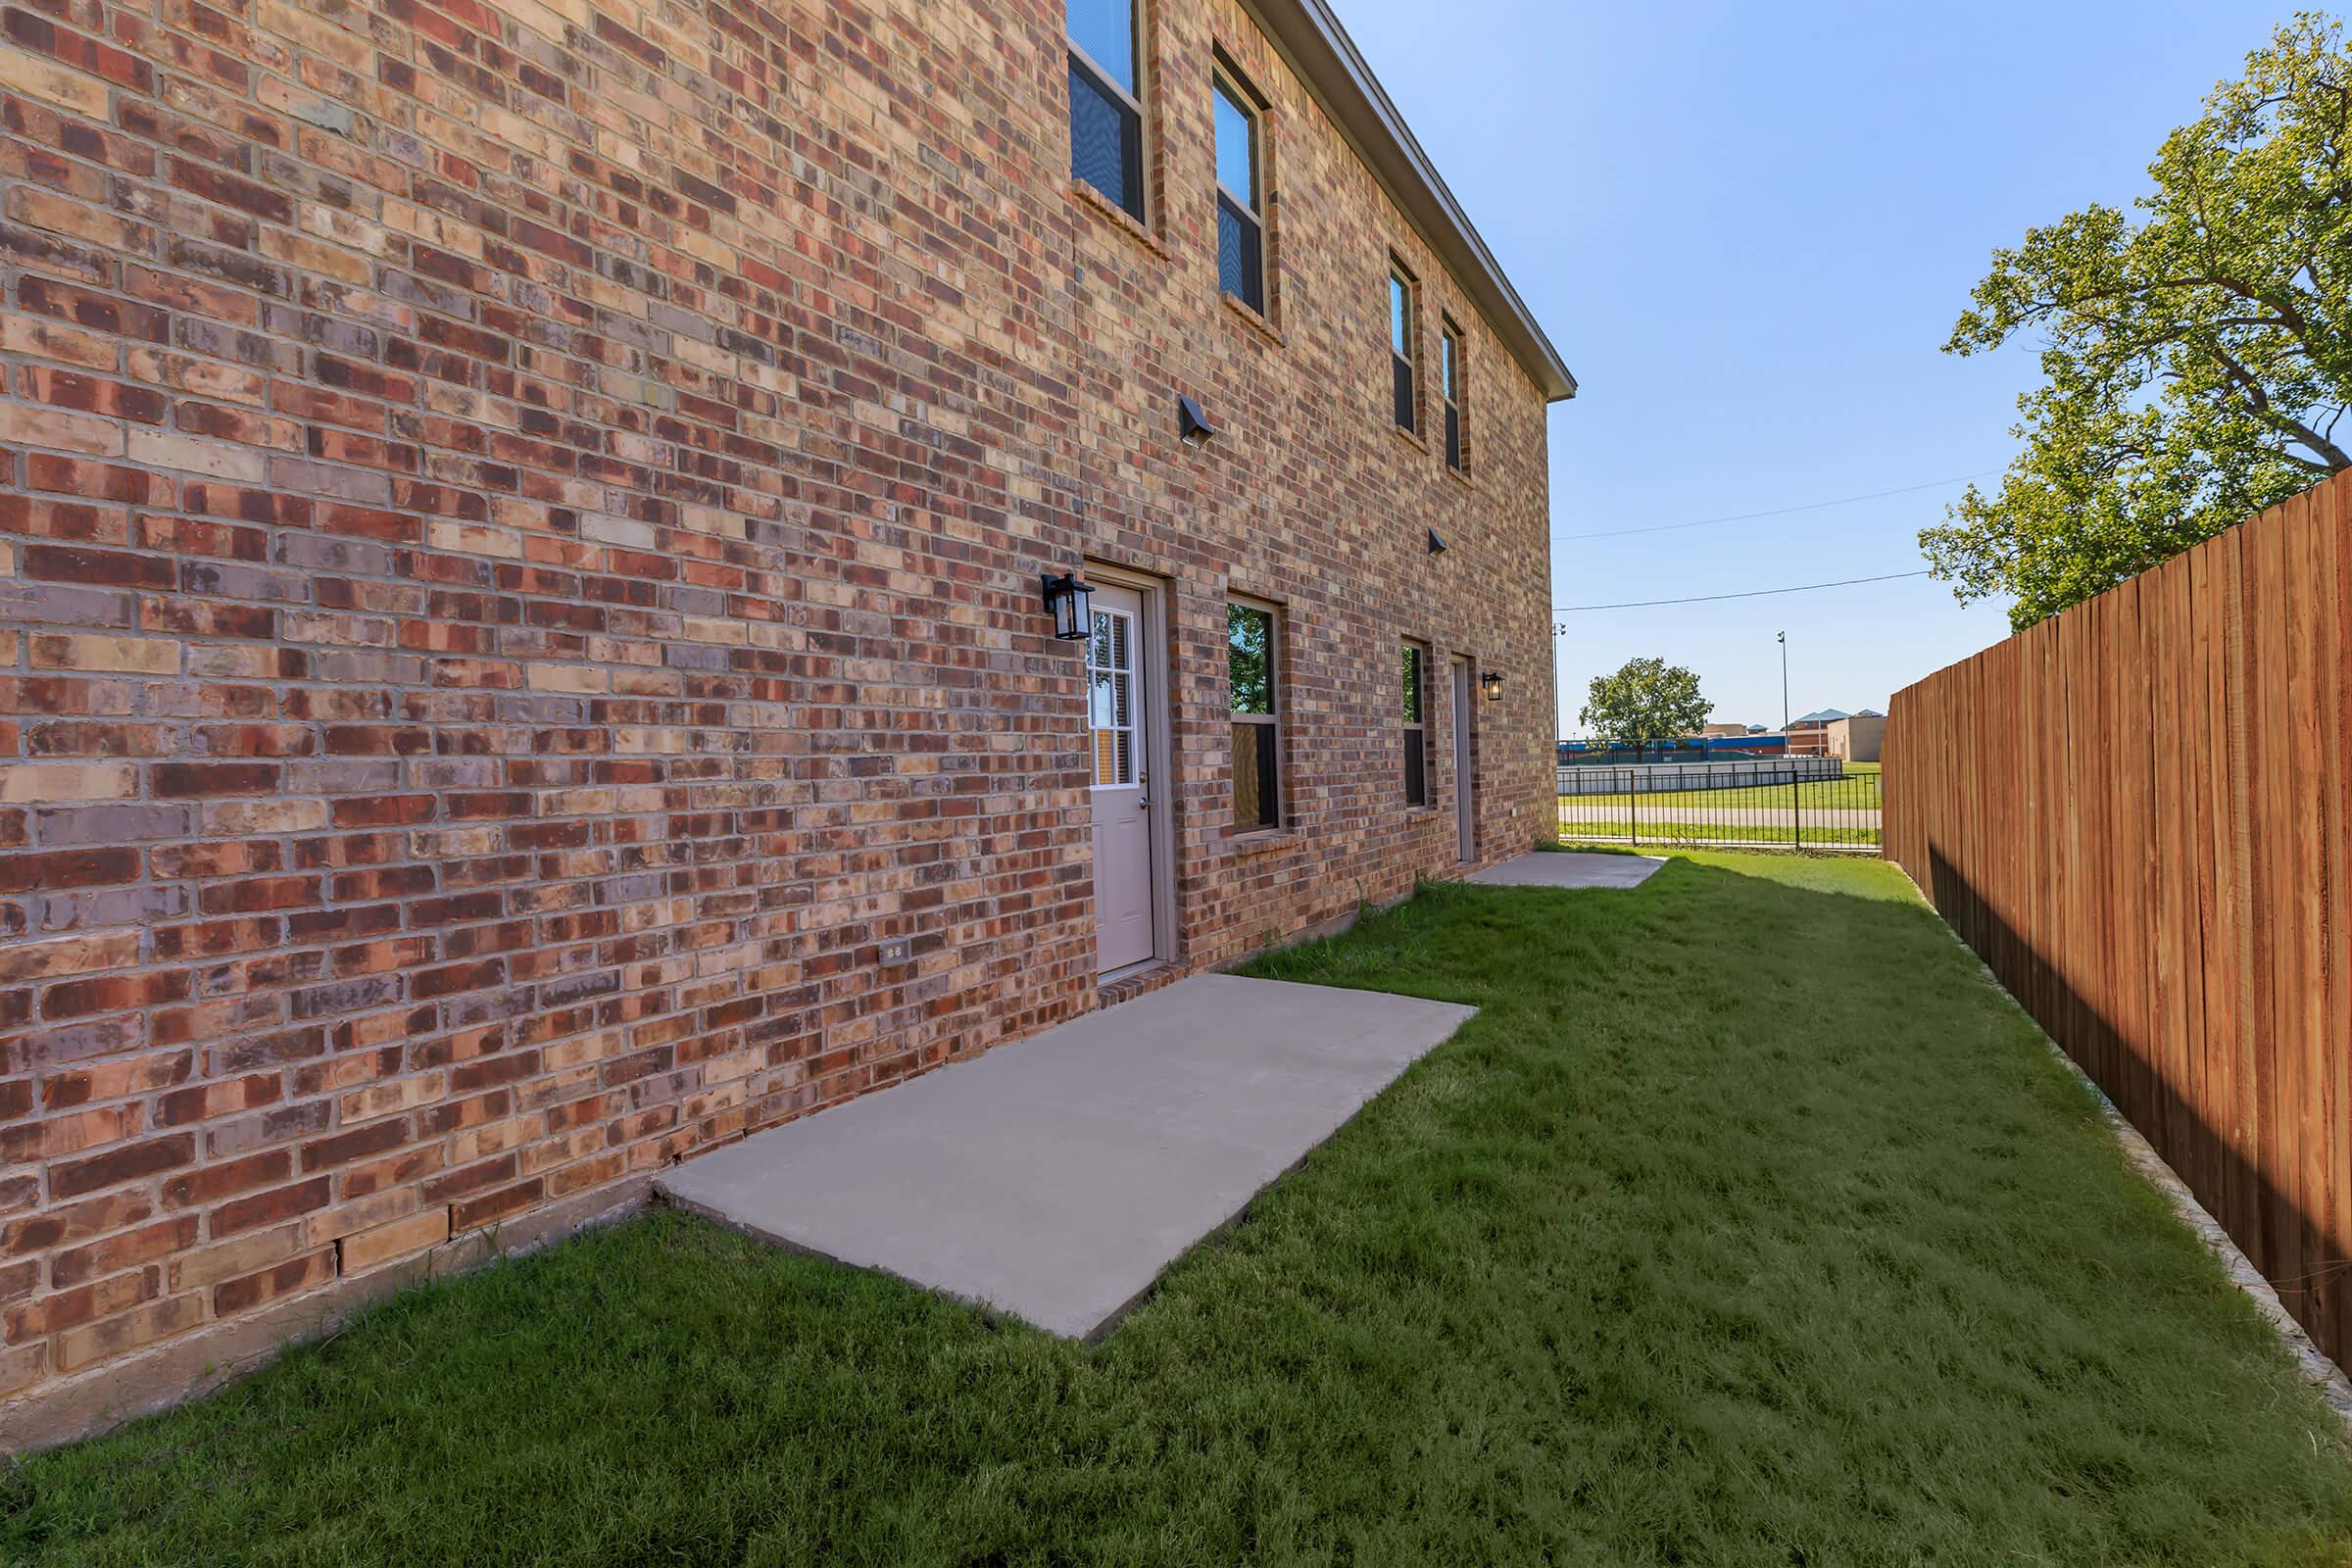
(1405, 384)
(1274, 719)
(1081, 61)
(1249, 207)
(1452, 376)
(1416, 711)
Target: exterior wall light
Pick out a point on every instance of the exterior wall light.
(1071, 604)
(1192, 425)
(1492, 684)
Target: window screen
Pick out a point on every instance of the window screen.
(1451, 374)
(1400, 347)
(1240, 226)
(1106, 111)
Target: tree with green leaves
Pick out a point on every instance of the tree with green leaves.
(1646, 702)
(2197, 362)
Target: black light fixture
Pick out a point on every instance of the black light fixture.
(1071, 604)
(1492, 684)
(1436, 546)
(1192, 425)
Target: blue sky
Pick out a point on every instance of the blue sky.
(1749, 230)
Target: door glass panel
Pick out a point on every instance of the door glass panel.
(1111, 683)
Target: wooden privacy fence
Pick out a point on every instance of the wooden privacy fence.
(2137, 812)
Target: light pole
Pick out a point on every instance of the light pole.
(1783, 684)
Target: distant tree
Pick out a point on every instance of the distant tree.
(2198, 357)
(1646, 702)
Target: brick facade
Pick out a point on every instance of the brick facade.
(518, 565)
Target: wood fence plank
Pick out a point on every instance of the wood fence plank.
(2230, 706)
(2161, 623)
(2130, 842)
(2333, 522)
(2270, 780)
(2185, 706)
(2303, 991)
(2331, 1030)
(2200, 757)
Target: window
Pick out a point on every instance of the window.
(1252, 656)
(1400, 345)
(1416, 726)
(1106, 108)
(1241, 226)
(1449, 375)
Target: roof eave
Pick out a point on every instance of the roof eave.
(1327, 61)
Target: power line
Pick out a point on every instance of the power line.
(1708, 599)
(1780, 512)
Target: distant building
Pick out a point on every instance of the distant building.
(1857, 739)
(1810, 736)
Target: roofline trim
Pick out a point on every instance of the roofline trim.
(1329, 64)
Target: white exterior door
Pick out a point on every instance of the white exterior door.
(1465, 797)
(1122, 683)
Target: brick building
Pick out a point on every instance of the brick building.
(1834, 732)
(1810, 736)
(523, 652)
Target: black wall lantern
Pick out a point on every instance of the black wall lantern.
(1492, 684)
(1192, 425)
(1071, 604)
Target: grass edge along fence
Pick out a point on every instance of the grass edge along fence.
(2140, 815)
(1788, 804)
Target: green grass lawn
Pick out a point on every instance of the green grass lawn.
(1745, 1225)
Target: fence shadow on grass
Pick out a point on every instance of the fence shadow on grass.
(2262, 1216)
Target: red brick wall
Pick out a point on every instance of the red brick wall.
(518, 570)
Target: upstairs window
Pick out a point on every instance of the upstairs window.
(1253, 657)
(1450, 375)
(1401, 346)
(1241, 224)
(1107, 103)
(1416, 725)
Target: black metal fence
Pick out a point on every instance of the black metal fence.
(1584, 756)
(1795, 805)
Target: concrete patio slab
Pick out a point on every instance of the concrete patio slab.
(1055, 1179)
(1543, 868)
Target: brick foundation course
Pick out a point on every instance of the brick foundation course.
(519, 570)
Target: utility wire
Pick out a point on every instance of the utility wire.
(1780, 512)
(1708, 599)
